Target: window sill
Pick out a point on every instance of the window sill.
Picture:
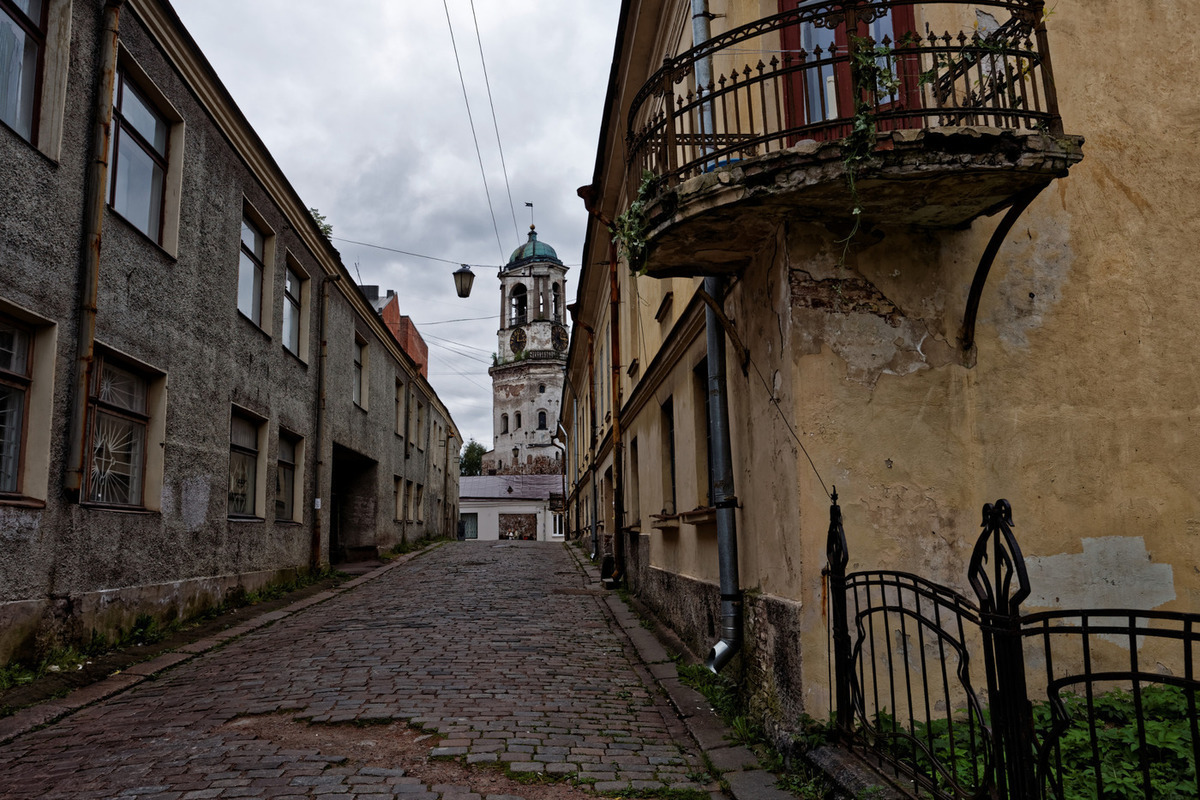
(251, 520)
(49, 160)
(145, 236)
(359, 406)
(255, 325)
(296, 356)
(141, 512)
(699, 516)
(291, 523)
(17, 501)
(664, 522)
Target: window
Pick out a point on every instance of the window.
(519, 305)
(541, 388)
(15, 365)
(401, 418)
(358, 381)
(668, 445)
(541, 420)
(703, 436)
(419, 503)
(420, 431)
(556, 303)
(397, 493)
(118, 422)
(137, 159)
(504, 423)
(518, 423)
(245, 477)
(408, 491)
(470, 526)
(22, 42)
(293, 291)
(635, 500)
(250, 272)
(286, 484)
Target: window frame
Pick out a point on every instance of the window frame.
(121, 128)
(256, 512)
(301, 306)
(23, 382)
(140, 418)
(419, 503)
(360, 366)
(297, 474)
(38, 31)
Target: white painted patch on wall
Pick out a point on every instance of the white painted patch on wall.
(1115, 571)
(193, 505)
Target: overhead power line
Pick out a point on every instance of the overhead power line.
(495, 123)
(409, 253)
(471, 119)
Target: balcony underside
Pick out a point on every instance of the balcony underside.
(930, 178)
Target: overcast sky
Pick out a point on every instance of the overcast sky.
(360, 103)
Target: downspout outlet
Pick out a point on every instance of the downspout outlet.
(731, 636)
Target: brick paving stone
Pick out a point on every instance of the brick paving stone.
(443, 657)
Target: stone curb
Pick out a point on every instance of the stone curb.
(38, 716)
(738, 767)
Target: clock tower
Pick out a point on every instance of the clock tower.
(531, 357)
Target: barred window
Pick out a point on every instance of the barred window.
(118, 421)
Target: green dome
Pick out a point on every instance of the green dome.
(533, 250)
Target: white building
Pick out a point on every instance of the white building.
(524, 507)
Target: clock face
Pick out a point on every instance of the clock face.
(559, 338)
(516, 342)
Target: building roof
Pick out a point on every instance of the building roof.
(524, 487)
(532, 250)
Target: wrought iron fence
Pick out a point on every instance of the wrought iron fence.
(1073, 704)
(816, 71)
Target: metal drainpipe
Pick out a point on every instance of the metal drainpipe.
(314, 559)
(592, 432)
(724, 499)
(618, 444)
(97, 180)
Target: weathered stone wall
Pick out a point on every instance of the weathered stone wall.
(68, 568)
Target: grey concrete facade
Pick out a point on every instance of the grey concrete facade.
(167, 313)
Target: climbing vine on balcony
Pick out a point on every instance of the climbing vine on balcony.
(630, 228)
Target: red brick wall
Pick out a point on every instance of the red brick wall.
(406, 334)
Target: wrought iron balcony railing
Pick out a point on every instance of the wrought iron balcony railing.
(831, 67)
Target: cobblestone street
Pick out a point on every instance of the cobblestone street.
(502, 651)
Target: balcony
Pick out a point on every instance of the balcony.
(856, 114)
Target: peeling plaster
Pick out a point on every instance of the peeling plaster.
(18, 525)
(1113, 571)
(1038, 263)
(193, 505)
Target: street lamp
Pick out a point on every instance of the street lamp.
(463, 278)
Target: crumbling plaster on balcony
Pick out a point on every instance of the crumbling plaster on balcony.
(881, 306)
(929, 178)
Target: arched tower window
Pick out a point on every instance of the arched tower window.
(541, 388)
(556, 303)
(519, 305)
(504, 423)
(518, 426)
(541, 420)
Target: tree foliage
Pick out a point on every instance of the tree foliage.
(319, 218)
(472, 458)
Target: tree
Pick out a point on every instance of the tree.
(319, 218)
(472, 458)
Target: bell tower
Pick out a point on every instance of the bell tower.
(531, 356)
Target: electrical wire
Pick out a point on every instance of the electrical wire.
(495, 123)
(471, 119)
(459, 344)
(448, 321)
(415, 255)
